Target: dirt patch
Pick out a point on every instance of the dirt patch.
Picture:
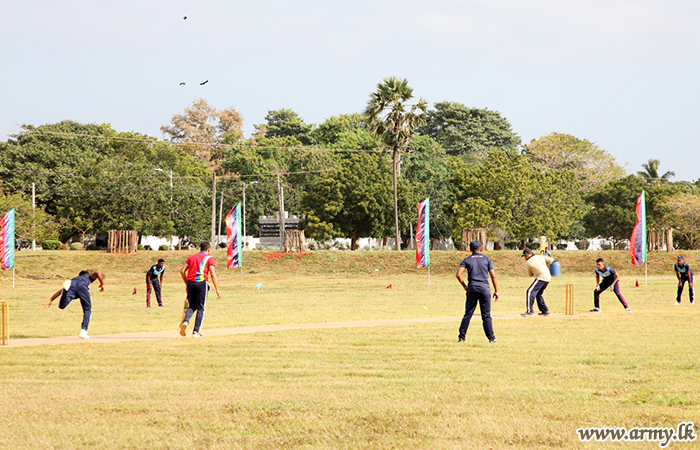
(43, 277)
(276, 256)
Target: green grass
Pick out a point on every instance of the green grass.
(402, 387)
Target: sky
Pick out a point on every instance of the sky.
(621, 73)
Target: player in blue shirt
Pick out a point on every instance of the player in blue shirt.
(683, 273)
(479, 268)
(152, 275)
(79, 287)
(610, 278)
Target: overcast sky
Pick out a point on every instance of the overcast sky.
(623, 74)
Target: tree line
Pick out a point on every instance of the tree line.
(354, 175)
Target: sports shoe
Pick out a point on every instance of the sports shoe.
(677, 303)
(196, 335)
(544, 313)
(628, 310)
(527, 314)
(83, 334)
(492, 341)
(183, 327)
(594, 310)
(692, 303)
(460, 339)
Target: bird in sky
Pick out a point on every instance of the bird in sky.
(184, 18)
(182, 84)
(204, 82)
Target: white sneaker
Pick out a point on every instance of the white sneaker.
(183, 327)
(628, 310)
(83, 334)
(196, 335)
(677, 303)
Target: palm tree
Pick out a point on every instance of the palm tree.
(651, 171)
(391, 121)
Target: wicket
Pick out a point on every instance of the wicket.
(4, 323)
(569, 299)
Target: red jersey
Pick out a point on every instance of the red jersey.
(198, 266)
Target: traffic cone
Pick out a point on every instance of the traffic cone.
(636, 283)
(134, 293)
(388, 287)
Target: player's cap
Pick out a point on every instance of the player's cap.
(680, 258)
(474, 245)
(527, 251)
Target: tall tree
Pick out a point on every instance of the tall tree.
(347, 131)
(257, 159)
(592, 165)
(510, 193)
(683, 213)
(651, 172)
(612, 206)
(354, 200)
(425, 166)
(49, 156)
(466, 131)
(30, 223)
(392, 121)
(283, 123)
(201, 126)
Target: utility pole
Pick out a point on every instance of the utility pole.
(34, 216)
(213, 208)
(280, 200)
(221, 212)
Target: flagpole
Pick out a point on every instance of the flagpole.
(428, 276)
(241, 276)
(645, 274)
(13, 277)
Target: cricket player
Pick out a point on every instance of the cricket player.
(610, 278)
(537, 266)
(195, 273)
(152, 280)
(79, 287)
(683, 273)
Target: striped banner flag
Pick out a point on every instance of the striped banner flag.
(234, 251)
(7, 240)
(638, 241)
(423, 234)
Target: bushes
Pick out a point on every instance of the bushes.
(76, 246)
(164, 248)
(512, 245)
(50, 244)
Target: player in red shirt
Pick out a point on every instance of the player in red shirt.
(195, 273)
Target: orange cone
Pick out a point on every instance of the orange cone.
(134, 293)
(636, 283)
(388, 287)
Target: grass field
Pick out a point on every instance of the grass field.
(402, 387)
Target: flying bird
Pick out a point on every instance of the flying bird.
(204, 82)
(184, 18)
(182, 84)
